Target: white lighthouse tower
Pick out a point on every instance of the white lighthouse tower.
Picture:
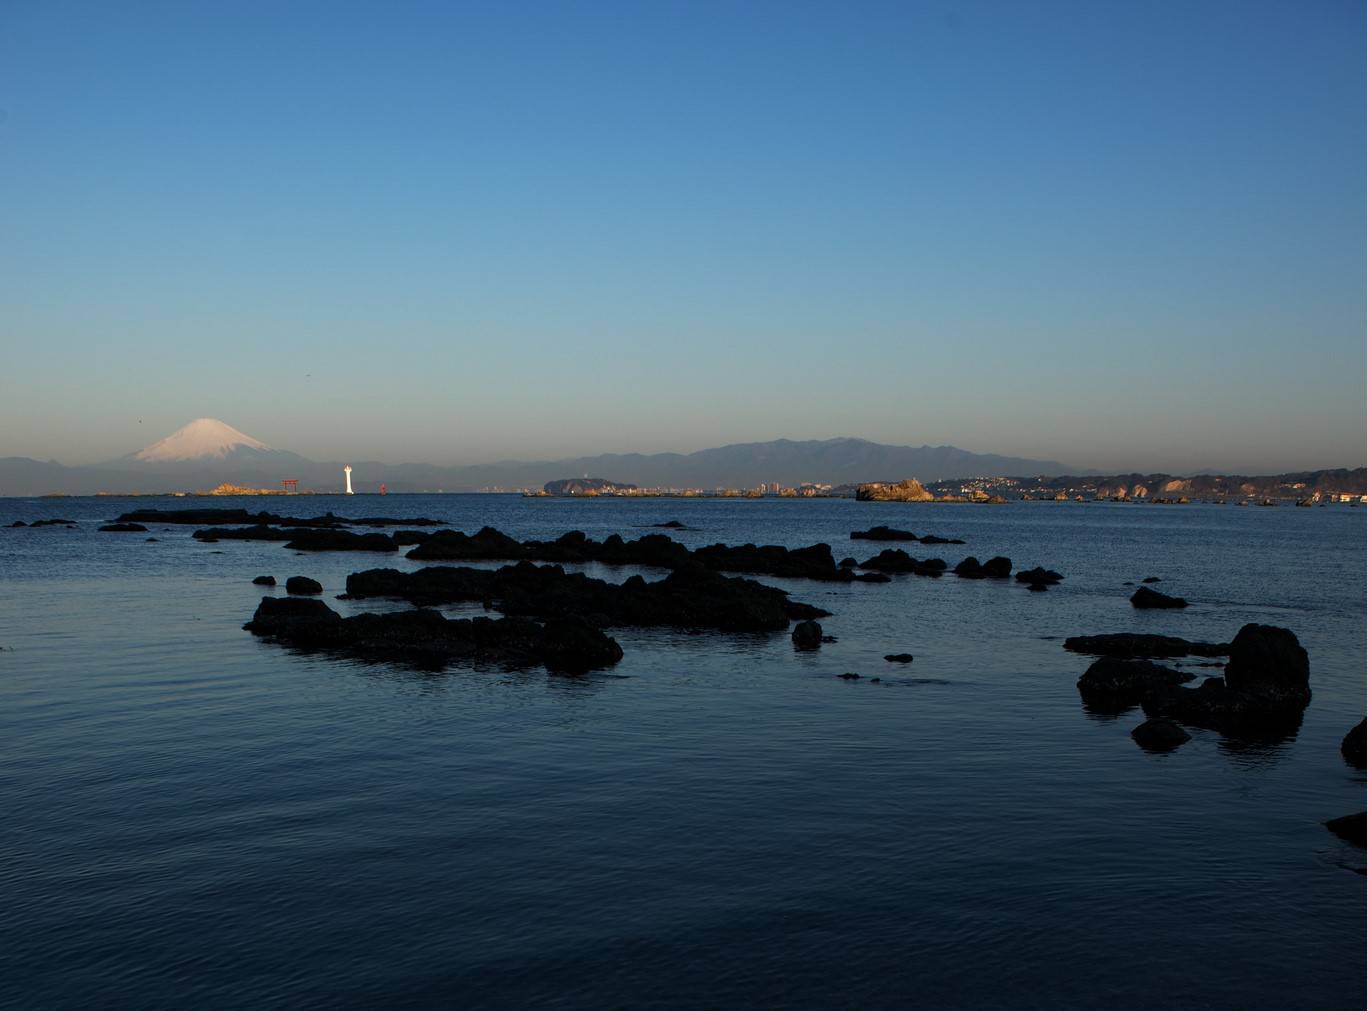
(347, 471)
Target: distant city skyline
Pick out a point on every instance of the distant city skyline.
(1126, 237)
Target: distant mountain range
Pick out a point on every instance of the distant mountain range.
(208, 452)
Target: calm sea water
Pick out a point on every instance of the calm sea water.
(191, 817)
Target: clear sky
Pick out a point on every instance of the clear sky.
(1117, 234)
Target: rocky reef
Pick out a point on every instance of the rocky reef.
(689, 597)
(426, 638)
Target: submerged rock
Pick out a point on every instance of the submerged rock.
(807, 635)
(849, 676)
(1354, 746)
(428, 638)
(53, 523)
(1146, 598)
(1350, 828)
(123, 528)
(303, 584)
(899, 658)
(1159, 735)
(1151, 579)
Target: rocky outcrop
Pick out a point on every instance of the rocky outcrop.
(1146, 598)
(1039, 578)
(895, 560)
(910, 490)
(1136, 644)
(1350, 828)
(1264, 692)
(303, 585)
(807, 635)
(994, 568)
(1159, 735)
(340, 540)
(1112, 684)
(123, 528)
(589, 486)
(209, 517)
(691, 597)
(1354, 746)
(427, 638)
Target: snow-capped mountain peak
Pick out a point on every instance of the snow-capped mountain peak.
(201, 439)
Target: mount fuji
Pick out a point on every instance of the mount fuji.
(201, 439)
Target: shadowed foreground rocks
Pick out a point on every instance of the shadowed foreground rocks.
(692, 597)
(428, 639)
(1113, 685)
(1263, 693)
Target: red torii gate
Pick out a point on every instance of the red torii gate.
(290, 484)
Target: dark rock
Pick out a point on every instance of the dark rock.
(303, 584)
(1354, 746)
(1159, 735)
(53, 523)
(807, 635)
(875, 681)
(897, 560)
(882, 533)
(1136, 644)
(1112, 684)
(1213, 704)
(1269, 661)
(997, 568)
(1037, 587)
(340, 540)
(259, 532)
(932, 539)
(152, 540)
(848, 563)
(1152, 579)
(1350, 828)
(1146, 598)
(671, 525)
(18, 523)
(264, 581)
(691, 597)
(123, 528)
(407, 538)
(970, 568)
(849, 676)
(899, 658)
(1038, 576)
(426, 638)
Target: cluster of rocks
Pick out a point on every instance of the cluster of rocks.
(883, 533)
(994, 568)
(1039, 578)
(427, 638)
(200, 517)
(690, 597)
(44, 523)
(1264, 690)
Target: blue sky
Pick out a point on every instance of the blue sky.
(1117, 234)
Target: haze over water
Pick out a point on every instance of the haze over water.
(196, 817)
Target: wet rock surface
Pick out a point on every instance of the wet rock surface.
(1146, 598)
(693, 597)
(427, 638)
